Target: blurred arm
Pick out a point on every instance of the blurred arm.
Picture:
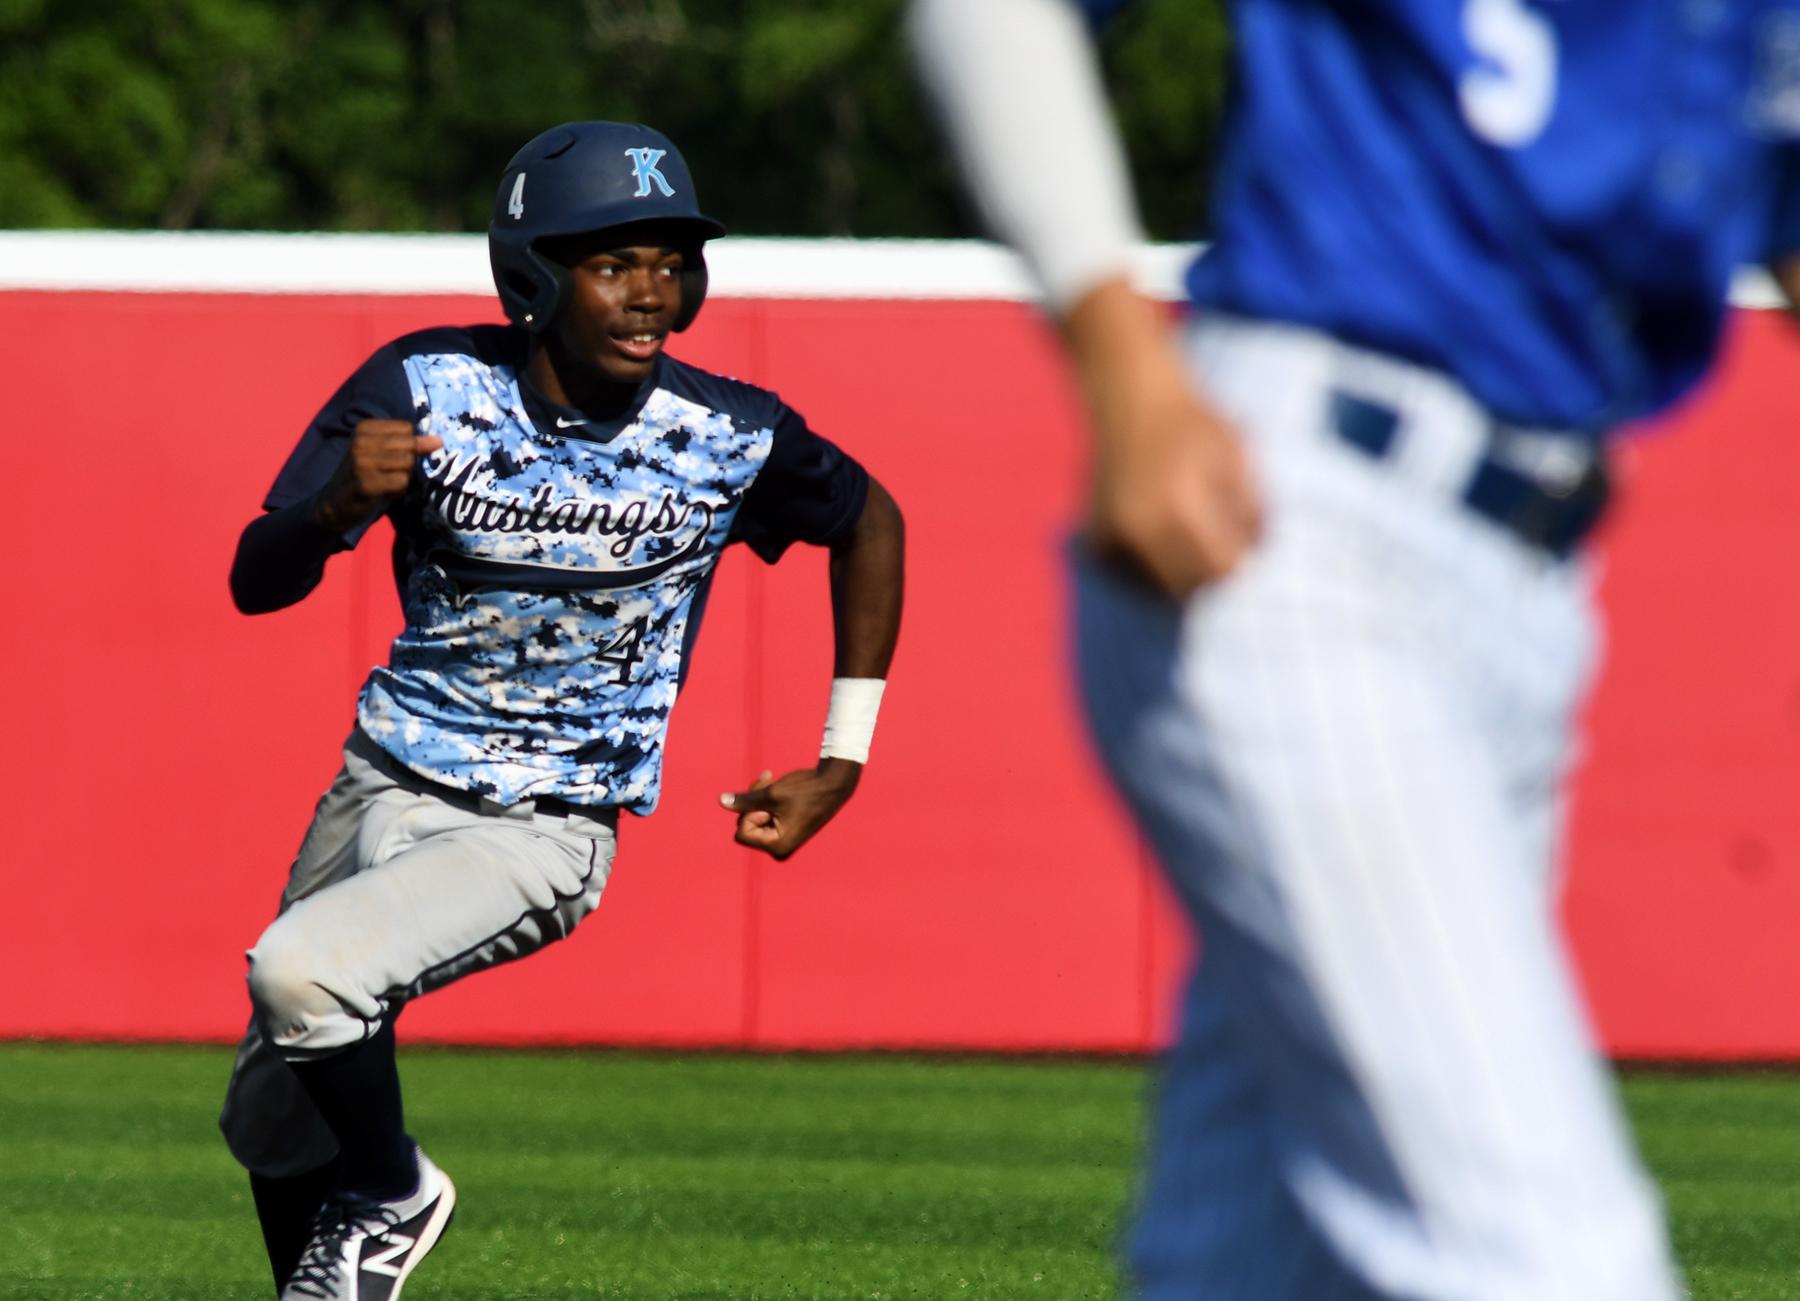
(1019, 90)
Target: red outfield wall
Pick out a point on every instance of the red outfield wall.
(163, 753)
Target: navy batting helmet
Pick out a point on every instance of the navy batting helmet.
(581, 177)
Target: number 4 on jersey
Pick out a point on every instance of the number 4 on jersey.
(626, 650)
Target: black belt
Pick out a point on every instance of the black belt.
(469, 801)
(1552, 504)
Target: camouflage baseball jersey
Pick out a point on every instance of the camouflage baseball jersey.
(552, 567)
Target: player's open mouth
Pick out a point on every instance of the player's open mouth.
(641, 346)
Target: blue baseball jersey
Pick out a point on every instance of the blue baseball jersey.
(552, 568)
(1545, 199)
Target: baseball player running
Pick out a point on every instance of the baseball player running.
(561, 490)
(1332, 617)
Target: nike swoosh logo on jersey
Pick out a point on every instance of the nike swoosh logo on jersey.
(570, 424)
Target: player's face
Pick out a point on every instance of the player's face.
(622, 303)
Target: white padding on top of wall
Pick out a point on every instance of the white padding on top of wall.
(246, 263)
(255, 263)
(250, 263)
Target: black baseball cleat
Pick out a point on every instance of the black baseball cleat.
(365, 1251)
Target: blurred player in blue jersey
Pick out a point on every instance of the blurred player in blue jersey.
(1333, 617)
(561, 490)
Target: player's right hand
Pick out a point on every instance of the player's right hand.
(377, 465)
(1173, 500)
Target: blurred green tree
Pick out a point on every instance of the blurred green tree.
(798, 117)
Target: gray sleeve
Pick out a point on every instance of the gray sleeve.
(1018, 87)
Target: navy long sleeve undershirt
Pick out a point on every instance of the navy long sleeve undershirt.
(280, 558)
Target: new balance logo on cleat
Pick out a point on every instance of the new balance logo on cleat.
(382, 1262)
(365, 1251)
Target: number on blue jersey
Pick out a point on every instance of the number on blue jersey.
(1508, 98)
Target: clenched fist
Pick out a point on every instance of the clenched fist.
(378, 465)
(779, 816)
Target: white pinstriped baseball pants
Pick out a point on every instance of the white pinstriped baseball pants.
(1348, 757)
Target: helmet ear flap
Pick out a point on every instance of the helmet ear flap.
(550, 292)
(532, 287)
(693, 287)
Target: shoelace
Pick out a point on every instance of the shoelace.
(336, 1220)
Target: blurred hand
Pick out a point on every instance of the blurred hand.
(1172, 496)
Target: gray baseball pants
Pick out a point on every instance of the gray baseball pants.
(400, 887)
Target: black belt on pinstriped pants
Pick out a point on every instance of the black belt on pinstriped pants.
(1552, 506)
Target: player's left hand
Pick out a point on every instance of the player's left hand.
(778, 815)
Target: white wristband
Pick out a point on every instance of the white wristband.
(850, 722)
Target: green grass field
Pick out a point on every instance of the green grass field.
(661, 1176)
